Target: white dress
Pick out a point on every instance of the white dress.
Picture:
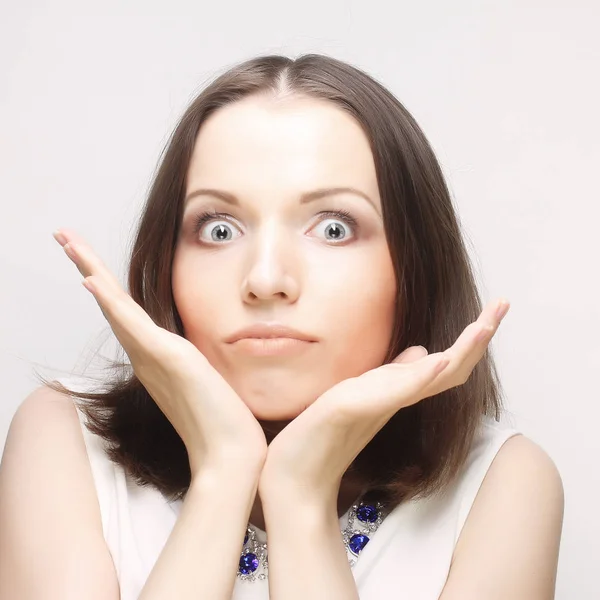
(408, 556)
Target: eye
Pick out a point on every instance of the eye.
(217, 234)
(223, 232)
(333, 228)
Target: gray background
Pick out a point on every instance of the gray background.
(507, 93)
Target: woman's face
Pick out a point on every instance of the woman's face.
(270, 257)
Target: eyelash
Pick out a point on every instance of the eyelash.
(206, 216)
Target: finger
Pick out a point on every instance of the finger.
(471, 345)
(130, 323)
(65, 235)
(84, 258)
(423, 371)
(411, 354)
(396, 385)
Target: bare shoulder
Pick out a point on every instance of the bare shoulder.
(523, 470)
(45, 399)
(45, 421)
(49, 511)
(523, 464)
(516, 519)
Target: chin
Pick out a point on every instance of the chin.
(271, 397)
(277, 407)
(274, 421)
(276, 413)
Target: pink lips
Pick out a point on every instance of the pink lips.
(270, 330)
(270, 339)
(271, 346)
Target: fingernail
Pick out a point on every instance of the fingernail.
(69, 250)
(88, 286)
(485, 332)
(442, 365)
(502, 309)
(59, 237)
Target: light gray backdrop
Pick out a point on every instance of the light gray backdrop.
(507, 92)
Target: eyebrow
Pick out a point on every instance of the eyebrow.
(304, 198)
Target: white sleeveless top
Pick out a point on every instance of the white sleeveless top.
(408, 556)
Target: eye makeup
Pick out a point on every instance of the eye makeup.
(206, 216)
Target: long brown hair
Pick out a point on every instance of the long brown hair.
(423, 447)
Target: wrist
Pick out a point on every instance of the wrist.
(304, 503)
(232, 464)
(281, 490)
(225, 477)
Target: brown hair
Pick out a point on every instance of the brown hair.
(422, 448)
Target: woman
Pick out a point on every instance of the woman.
(309, 358)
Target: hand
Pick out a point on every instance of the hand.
(217, 428)
(311, 454)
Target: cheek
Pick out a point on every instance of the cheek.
(347, 295)
(200, 296)
(366, 326)
(360, 307)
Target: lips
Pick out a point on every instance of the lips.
(271, 347)
(270, 331)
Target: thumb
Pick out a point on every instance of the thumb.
(411, 354)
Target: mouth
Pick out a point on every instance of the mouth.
(269, 330)
(272, 346)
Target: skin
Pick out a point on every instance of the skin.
(304, 464)
(280, 261)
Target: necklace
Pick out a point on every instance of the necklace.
(253, 560)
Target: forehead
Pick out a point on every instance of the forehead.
(259, 145)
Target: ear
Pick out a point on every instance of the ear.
(411, 354)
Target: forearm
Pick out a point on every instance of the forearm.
(195, 563)
(307, 556)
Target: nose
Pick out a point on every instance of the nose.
(271, 269)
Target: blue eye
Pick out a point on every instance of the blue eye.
(339, 215)
(207, 216)
(221, 230)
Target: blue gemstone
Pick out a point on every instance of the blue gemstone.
(248, 563)
(367, 513)
(358, 542)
